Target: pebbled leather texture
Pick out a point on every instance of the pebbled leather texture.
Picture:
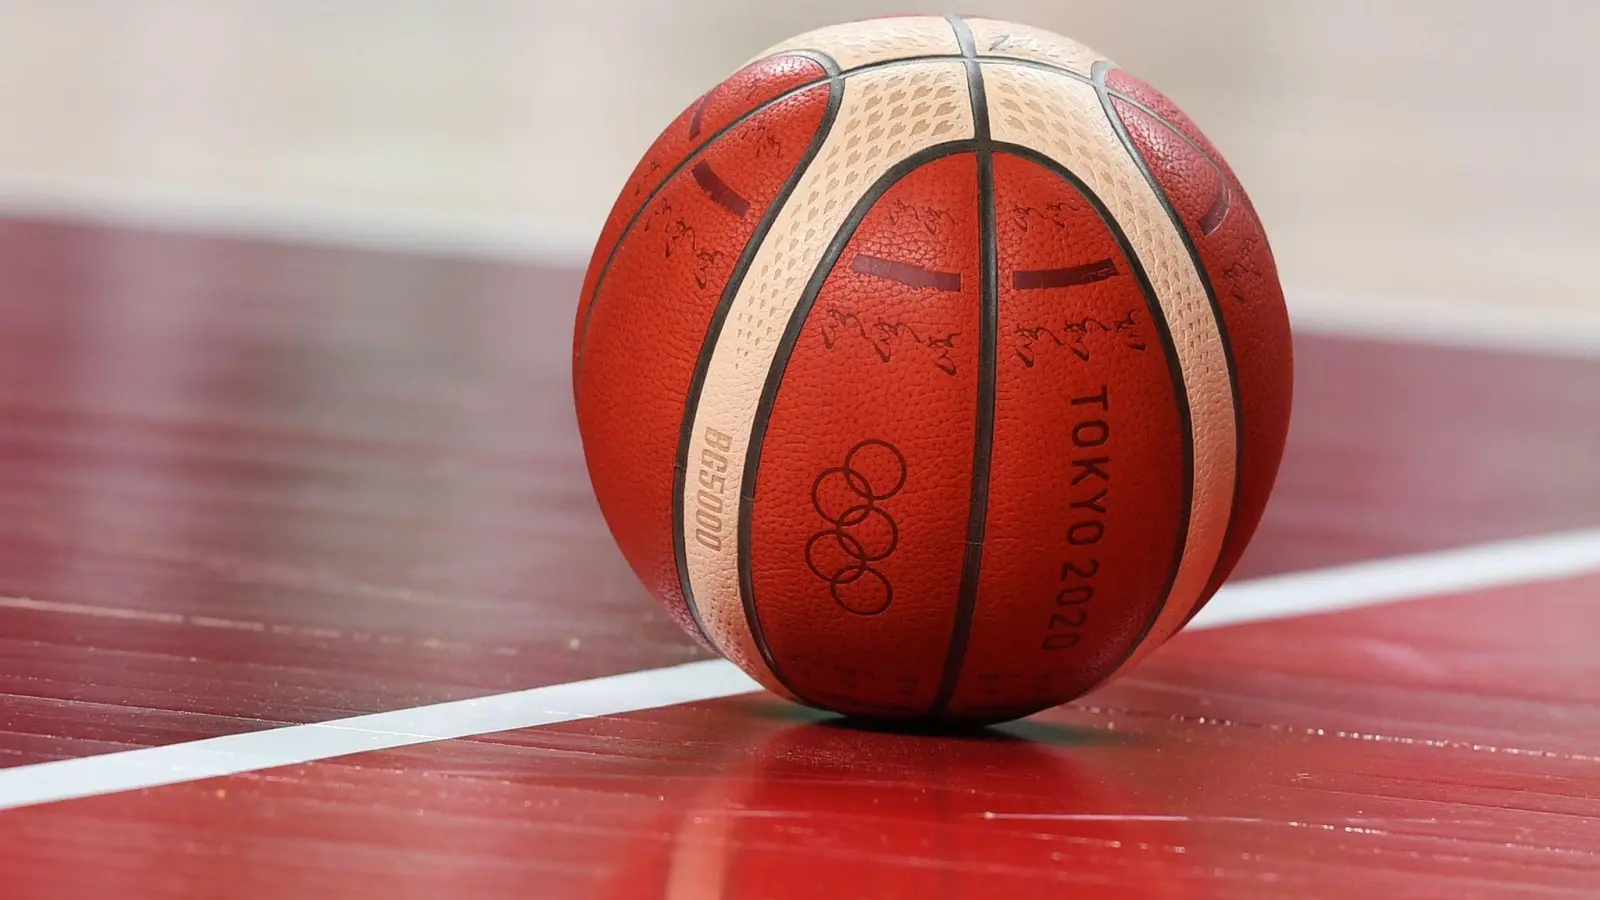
(886, 116)
(1084, 521)
(1234, 250)
(1063, 118)
(824, 385)
(649, 321)
(748, 89)
(860, 504)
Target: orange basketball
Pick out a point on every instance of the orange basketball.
(932, 368)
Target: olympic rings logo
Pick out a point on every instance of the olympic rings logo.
(860, 532)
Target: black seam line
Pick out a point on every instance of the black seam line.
(834, 73)
(969, 55)
(828, 63)
(1099, 74)
(1170, 127)
(983, 431)
(1104, 90)
(719, 317)
(780, 362)
(835, 78)
(1180, 393)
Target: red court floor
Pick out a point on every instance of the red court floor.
(246, 485)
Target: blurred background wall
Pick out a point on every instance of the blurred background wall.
(1414, 160)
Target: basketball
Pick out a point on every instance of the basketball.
(932, 368)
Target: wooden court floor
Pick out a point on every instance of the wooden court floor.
(247, 486)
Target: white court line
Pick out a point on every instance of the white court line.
(270, 217)
(1303, 593)
(1457, 570)
(131, 770)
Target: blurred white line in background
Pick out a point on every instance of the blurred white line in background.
(1506, 323)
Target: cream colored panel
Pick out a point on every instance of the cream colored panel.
(995, 38)
(885, 116)
(1062, 118)
(854, 44)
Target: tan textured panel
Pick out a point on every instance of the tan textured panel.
(1062, 118)
(885, 116)
(996, 38)
(854, 44)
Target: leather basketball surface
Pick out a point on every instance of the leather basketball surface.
(932, 368)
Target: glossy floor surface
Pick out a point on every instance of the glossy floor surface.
(245, 485)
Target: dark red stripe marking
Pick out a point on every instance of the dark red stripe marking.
(905, 273)
(712, 184)
(1040, 279)
(698, 118)
(1212, 220)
